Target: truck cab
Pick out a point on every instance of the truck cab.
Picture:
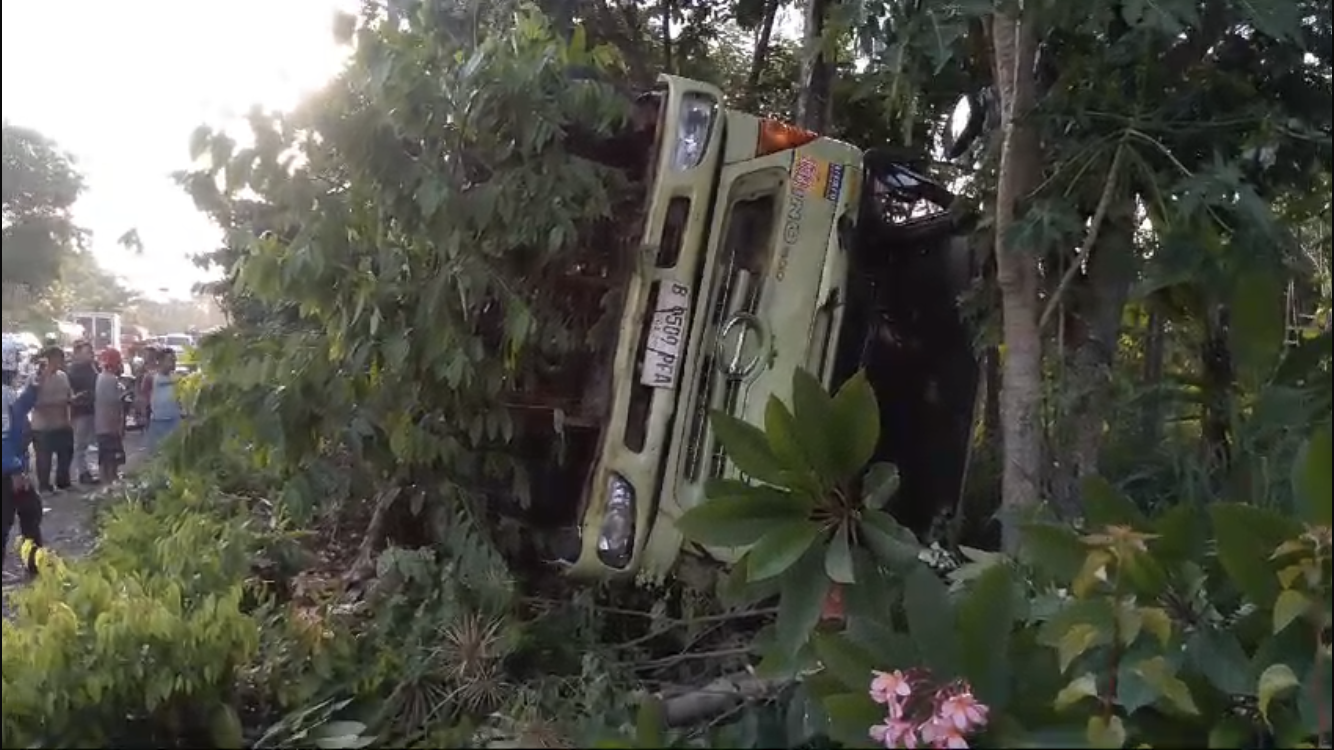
(739, 279)
(741, 249)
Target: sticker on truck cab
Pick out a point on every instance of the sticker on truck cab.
(812, 176)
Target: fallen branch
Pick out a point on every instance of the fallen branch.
(364, 567)
(717, 698)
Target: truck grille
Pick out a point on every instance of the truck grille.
(741, 270)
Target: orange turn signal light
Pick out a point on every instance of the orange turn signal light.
(778, 136)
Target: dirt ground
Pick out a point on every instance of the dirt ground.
(65, 522)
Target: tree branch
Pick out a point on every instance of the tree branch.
(1090, 239)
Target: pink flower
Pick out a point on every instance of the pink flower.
(962, 712)
(895, 733)
(940, 733)
(890, 688)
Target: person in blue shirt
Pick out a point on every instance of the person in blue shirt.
(164, 405)
(20, 497)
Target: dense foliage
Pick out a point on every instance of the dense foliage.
(415, 256)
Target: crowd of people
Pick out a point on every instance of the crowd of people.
(63, 411)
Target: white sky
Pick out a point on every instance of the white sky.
(121, 85)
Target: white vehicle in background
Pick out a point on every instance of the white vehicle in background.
(29, 345)
(26, 340)
(101, 329)
(183, 344)
(177, 342)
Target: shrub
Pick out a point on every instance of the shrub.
(140, 643)
(1205, 625)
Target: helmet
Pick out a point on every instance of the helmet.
(12, 355)
(111, 360)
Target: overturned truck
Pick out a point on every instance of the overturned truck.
(757, 248)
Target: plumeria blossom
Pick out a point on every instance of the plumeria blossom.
(941, 733)
(962, 711)
(896, 733)
(920, 714)
(890, 688)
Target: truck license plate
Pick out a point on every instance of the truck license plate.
(666, 336)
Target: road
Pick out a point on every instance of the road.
(66, 521)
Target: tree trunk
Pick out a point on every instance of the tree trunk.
(1014, 51)
(1100, 302)
(991, 417)
(667, 7)
(761, 55)
(816, 104)
(1216, 363)
(1151, 415)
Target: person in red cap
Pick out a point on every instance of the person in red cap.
(109, 417)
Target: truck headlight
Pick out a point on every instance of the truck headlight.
(692, 130)
(616, 540)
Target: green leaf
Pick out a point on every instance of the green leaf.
(1256, 326)
(1311, 478)
(892, 650)
(736, 520)
(931, 621)
(986, 615)
(1219, 656)
(855, 429)
(1106, 732)
(1054, 550)
(780, 548)
(1183, 533)
(851, 715)
(1276, 680)
(1145, 575)
(339, 729)
(748, 448)
(341, 742)
(880, 484)
(1246, 536)
(225, 726)
(1156, 672)
(1075, 641)
(804, 719)
(1289, 606)
(838, 558)
(799, 604)
(1105, 506)
(814, 410)
(1083, 686)
(785, 437)
(891, 543)
(735, 591)
(849, 663)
